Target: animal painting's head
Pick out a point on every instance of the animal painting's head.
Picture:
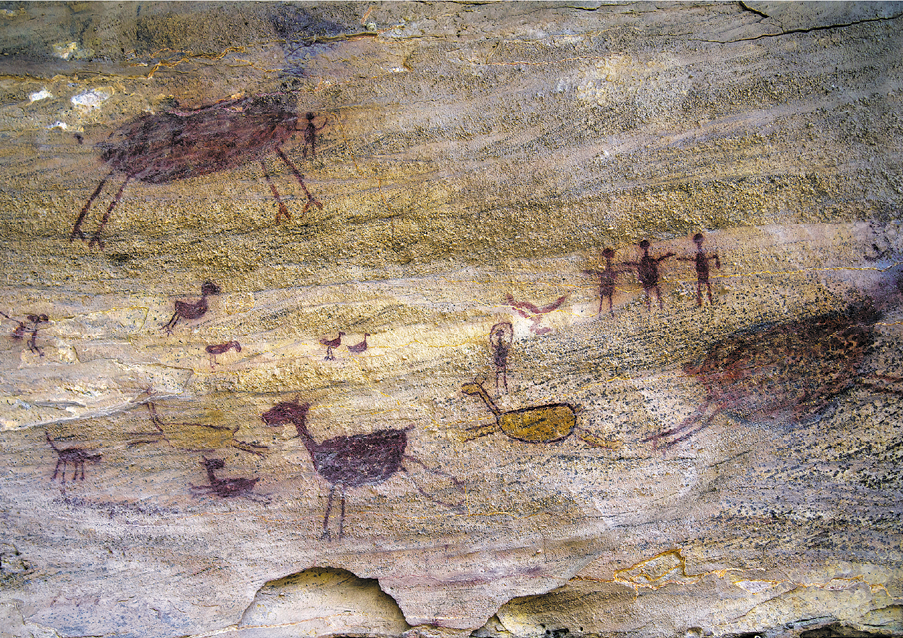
(894, 284)
(279, 107)
(883, 297)
(691, 368)
(866, 313)
(475, 388)
(213, 464)
(209, 288)
(292, 412)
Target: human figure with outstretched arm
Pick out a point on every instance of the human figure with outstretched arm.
(647, 271)
(310, 135)
(607, 278)
(501, 337)
(702, 268)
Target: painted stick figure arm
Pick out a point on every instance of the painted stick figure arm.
(554, 305)
(316, 128)
(20, 330)
(522, 306)
(662, 258)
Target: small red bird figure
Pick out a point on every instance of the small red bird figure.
(221, 348)
(330, 344)
(359, 347)
(192, 310)
(528, 311)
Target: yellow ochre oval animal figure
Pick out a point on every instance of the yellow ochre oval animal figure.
(541, 424)
(537, 424)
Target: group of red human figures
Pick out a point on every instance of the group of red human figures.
(647, 273)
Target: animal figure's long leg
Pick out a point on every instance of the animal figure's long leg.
(457, 484)
(884, 383)
(156, 421)
(300, 178)
(705, 423)
(170, 325)
(685, 424)
(33, 343)
(77, 228)
(282, 209)
(77, 466)
(478, 431)
(325, 533)
(594, 440)
(57, 469)
(342, 517)
(106, 216)
(253, 448)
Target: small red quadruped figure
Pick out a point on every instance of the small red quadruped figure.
(191, 309)
(25, 329)
(221, 348)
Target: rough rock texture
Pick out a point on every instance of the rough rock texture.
(689, 467)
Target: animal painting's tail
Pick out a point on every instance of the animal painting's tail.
(448, 484)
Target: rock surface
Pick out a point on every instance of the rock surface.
(685, 464)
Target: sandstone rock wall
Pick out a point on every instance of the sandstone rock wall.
(697, 461)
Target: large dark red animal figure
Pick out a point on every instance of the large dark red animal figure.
(353, 461)
(159, 148)
(783, 372)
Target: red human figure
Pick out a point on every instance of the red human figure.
(607, 279)
(310, 135)
(501, 337)
(647, 271)
(702, 268)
